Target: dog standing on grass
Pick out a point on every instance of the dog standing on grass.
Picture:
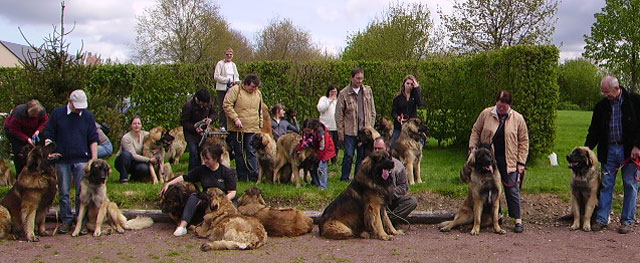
(95, 204)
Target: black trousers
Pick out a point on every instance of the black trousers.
(512, 193)
(125, 165)
(401, 208)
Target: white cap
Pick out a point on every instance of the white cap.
(79, 99)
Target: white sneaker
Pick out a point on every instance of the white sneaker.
(180, 231)
(223, 129)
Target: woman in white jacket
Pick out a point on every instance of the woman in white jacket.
(226, 75)
(327, 108)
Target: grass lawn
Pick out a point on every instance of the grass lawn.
(440, 167)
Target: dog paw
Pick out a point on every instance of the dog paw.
(399, 233)
(586, 228)
(75, 233)
(574, 227)
(386, 237)
(474, 232)
(97, 233)
(500, 231)
(445, 229)
(33, 238)
(44, 233)
(205, 247)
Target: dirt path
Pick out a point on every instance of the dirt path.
(544, 240)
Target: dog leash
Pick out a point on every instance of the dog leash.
(240, 140)
(635, 161)
(518, 182)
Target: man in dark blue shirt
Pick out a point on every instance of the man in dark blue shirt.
(72, 127)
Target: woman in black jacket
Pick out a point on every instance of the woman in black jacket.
(405, 104)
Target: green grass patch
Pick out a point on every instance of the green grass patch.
(440, 173)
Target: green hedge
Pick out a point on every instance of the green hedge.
(455, 89)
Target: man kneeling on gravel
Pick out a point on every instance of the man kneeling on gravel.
(401, 204)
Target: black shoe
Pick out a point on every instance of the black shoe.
(83, 230)
(65, 228)
(624, 229)
(598, 227)
(519, 228)
(125, 181)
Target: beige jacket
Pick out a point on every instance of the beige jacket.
(240, 104)
(515, 133)
(133, 145)
(347, 110)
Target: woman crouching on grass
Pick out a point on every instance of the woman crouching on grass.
(210, 174)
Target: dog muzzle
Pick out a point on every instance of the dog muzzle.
(385, 174)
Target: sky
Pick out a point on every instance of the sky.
(107, 27)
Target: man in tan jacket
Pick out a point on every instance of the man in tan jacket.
(242, 105)
(355, 110)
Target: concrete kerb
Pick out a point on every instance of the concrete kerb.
(416, 217)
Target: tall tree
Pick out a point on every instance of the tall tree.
(614, 42)
(401, 34)
(183, 31)
(481, 25)
(282, 40)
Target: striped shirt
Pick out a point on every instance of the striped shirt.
(615, 125)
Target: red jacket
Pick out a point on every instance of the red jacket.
(21, 125)
(329, 150)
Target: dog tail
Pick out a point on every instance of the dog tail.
(443, 224)
(226, 244)
(140, 222)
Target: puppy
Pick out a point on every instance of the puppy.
(585, 186)
(279, 222)
(95, 204)
(485, 187)
(5, 174)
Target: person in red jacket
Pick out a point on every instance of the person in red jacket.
(316, 135)
(23, 126)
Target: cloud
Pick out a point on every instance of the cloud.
(575, 18)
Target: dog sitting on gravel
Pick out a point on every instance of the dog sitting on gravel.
(279, 222)
(485, 187)
(95, 204)
(225, 227)
(585, 186)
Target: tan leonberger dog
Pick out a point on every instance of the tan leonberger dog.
(360, 210)
(408, 148)
(585, 186)
(365, 137)
(153, 146)
(266, 151)
(177, 147)
(175, 198)
(384, 126)
(279, 222)
(5, 174)
(32, 195)
(287, 154)
(95, 204)
(483, 200)
(225, 227)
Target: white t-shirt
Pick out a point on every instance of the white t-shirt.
(228, 68)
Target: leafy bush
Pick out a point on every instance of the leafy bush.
(579, 83)
(565, 105)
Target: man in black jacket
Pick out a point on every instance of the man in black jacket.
(195, 110)
(615, 129)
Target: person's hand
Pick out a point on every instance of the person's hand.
(635, 152)
(153, 160)
(238, 123)
(29, 141)
(35, 134)
(207, 121)
(472, 150)
(415, 82)
(199, 131)
(521, 168)
(341, 137)
(164, 189)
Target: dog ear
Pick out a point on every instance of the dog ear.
(33, 158)
(592, 158)
(265, 140)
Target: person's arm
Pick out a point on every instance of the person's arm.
(416, 92)
(373, 106)
(231, 195)
(229, 102)
(230, 181)
(127, 145)
(167, 184)
(593, 133)
(236, 76)
(339, 116)
(402, 182)
(474, 139)
(217, 73)
(523, 142)
(51, 128)
(43, 118)
(395, 108)
(185, 119)
(292, 127)
(94, 150)
(323, 104)
(13, 124)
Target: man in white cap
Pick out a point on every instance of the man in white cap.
(72, 127)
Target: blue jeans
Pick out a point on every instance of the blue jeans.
(615, 157)
(66, 171)
(104, 150)
(394, 137)
(194, 156)
(351, 146)
(320, 176)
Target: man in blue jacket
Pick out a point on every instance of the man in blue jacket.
(72, 127)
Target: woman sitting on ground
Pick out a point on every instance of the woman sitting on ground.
(130, 159)
(211, 174)
(279, 125)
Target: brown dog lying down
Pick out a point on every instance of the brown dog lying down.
(279, 222)
(225, 227)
